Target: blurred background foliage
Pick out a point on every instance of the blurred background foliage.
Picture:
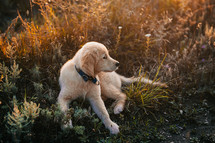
(8, 11)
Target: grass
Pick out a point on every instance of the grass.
(147, 94)
(138, 34)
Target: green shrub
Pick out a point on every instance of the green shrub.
(21, 119)
(9, 77)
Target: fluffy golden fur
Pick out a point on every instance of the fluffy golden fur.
(93, 58)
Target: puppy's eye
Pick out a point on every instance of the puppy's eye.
(105, 57)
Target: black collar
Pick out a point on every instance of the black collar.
(86, 77)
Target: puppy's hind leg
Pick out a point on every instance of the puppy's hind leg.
(116, 94)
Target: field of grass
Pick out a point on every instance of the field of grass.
(171, 41)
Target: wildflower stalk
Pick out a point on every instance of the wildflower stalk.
(118, 39)
(147, 43)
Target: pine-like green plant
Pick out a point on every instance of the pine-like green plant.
(9, 77)
(21, 119)
(35, 72)
(14, 72)
(38, 88)
(30, 110)
(7, 86)
(53, 113)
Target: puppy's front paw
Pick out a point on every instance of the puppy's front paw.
(113, 127)
(118, 109)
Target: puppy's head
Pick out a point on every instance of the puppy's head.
(96, 58)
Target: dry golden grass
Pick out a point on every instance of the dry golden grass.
(76, 22)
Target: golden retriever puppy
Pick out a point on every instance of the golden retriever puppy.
(90, 74)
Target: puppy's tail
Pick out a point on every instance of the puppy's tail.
(130, 80)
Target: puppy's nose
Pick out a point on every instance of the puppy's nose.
(117, 64)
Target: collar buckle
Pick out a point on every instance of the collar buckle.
(85, 77)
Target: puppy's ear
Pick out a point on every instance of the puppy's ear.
(88, 64)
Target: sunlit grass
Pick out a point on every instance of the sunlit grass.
(75, 23)
(146, 95)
